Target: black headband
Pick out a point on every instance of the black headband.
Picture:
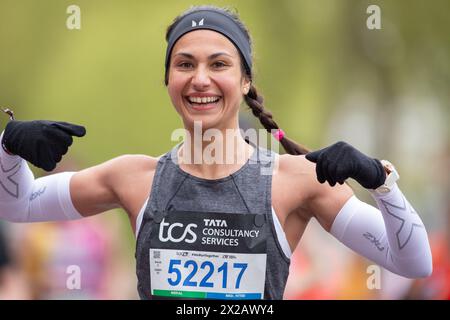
(211, 20)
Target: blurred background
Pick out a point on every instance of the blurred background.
(325, 76)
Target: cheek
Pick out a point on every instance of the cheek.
(229, 86)
(175, 88)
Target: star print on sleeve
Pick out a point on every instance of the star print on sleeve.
(7, 182)
(407, 226)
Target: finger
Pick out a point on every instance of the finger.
(325, 170)
(49, 166)
(313, 156)
(337, 162)
(47, 162)
(58, 137)
(44, 159)
(332, 167)
(341, 174)
(64, 151)
(58, 142)
(57, 150)
(319, 171)
(57, 156)
(72, 129)
(66, 139)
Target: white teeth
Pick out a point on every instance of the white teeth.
(203, 100)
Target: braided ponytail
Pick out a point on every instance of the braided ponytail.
(255, 102)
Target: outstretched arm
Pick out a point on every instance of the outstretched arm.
(25, 199)
(62, 196)
(393, 235)
(121, 182)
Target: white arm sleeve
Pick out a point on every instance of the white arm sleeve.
(24, 199)
(393, 236)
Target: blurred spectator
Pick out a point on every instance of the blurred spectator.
(12, 282)
(317, 266)
(437, 286)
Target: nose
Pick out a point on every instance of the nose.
(201, 79)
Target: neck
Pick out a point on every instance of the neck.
(213, 153)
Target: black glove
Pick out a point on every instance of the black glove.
(340, 161)
(41, 142)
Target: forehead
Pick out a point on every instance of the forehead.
(204, 41)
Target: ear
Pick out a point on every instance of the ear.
(246, 86)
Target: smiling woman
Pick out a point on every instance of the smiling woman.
(205, 82)
(228, 32)
(217, 230)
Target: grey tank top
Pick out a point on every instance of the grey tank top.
(211, 239)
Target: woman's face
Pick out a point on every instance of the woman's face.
(205, 80)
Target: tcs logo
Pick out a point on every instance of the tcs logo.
(188, 235)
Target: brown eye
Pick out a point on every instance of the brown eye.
(219, 64)
(185, 65)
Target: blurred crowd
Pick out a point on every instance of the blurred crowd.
(91, 258)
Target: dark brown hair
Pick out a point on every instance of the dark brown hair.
(253, 99)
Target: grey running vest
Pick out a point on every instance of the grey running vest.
(211, 239)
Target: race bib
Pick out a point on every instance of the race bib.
(208, 256)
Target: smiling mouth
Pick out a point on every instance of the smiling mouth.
(204, 103)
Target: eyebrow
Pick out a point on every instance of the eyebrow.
(211, 57)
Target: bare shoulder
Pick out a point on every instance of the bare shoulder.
(311, 198)
(132, 179)
(124, 168)
(105, 186)
(132, 163)
(297, 171)
(292, 178)
(290, 164)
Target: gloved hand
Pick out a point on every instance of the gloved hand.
(41, 142)
(340, 161)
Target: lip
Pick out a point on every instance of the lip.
(202, 95)
(204, 107)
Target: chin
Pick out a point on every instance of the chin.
(206, 121)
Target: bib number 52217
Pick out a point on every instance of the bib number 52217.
(192, 266)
